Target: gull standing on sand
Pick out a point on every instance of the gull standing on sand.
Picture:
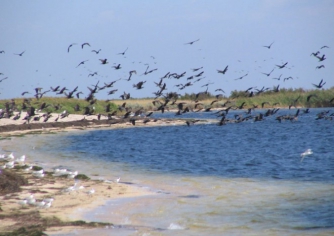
(10, 156)
(31, 200)
(38, 173)
(91, 192)
(21, 159)
(23, 202)
(9, 165)
(40, 204)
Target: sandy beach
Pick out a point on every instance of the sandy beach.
(78, 122)
(69, 195)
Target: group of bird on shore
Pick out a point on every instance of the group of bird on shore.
(9, 161)
(162, 100)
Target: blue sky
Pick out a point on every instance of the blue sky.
(230, 33)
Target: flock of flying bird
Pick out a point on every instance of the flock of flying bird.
(162, 100)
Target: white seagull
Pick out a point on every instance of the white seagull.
(306, 153)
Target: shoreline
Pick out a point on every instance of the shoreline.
(71, 199)
(66, 205)
(10, 127)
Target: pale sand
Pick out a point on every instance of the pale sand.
(69, 205)
(90, 125)
(66, 206)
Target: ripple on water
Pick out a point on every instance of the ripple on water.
(238, 179)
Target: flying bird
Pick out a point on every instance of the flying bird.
(55, 89)
(269, 46)
(196, 69)
(97, 52)
(315, 53)
(150, 71)
(320, 85)
(25, 92)
(324, 47)
(130, 74)
(319, 67)
(3, 79)
(68, 49)
(122, 53)
(82, 45)
(322, 58)
(223, 71)
(269, 72)
(104, 61)
(282, 66)
(19, 54)
(241, 77)
(220, 90)
(190, 43)
(117, 67)
(139, 85)
(81, 63)
(310, 96)
(2, 51)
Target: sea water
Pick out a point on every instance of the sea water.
(238, 179)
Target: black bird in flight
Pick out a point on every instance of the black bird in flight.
(55, 89)
(269, 46)
(150, 71)
(196, 69)
(92, 74)
(279, 78)
(241, 77)
(130, 74)
(320, 85)
(322, 58)
(220, 90)
(310, 96)
(25, 92)
(81, 63)
(223, 71)
(282, 66)
(190, 43)
(82, 45)
(117, 67)
(324, 47)
(19, 54)
(269, 72)
(122, 53)
(139, 85)
(319, 67)
(104, 61)
(315, 53)
(97, 52)
(2, 51)
(68, 49)
(112, 91)
(3, 79)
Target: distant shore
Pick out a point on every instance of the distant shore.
(10, 127)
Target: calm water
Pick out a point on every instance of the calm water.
(237, 179)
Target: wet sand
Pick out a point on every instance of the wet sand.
(67, 205)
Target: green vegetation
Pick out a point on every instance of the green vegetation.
(57, 105)
(11, 182)
(283, 98)
(287, 97)
(82, 177)
(32, 224)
